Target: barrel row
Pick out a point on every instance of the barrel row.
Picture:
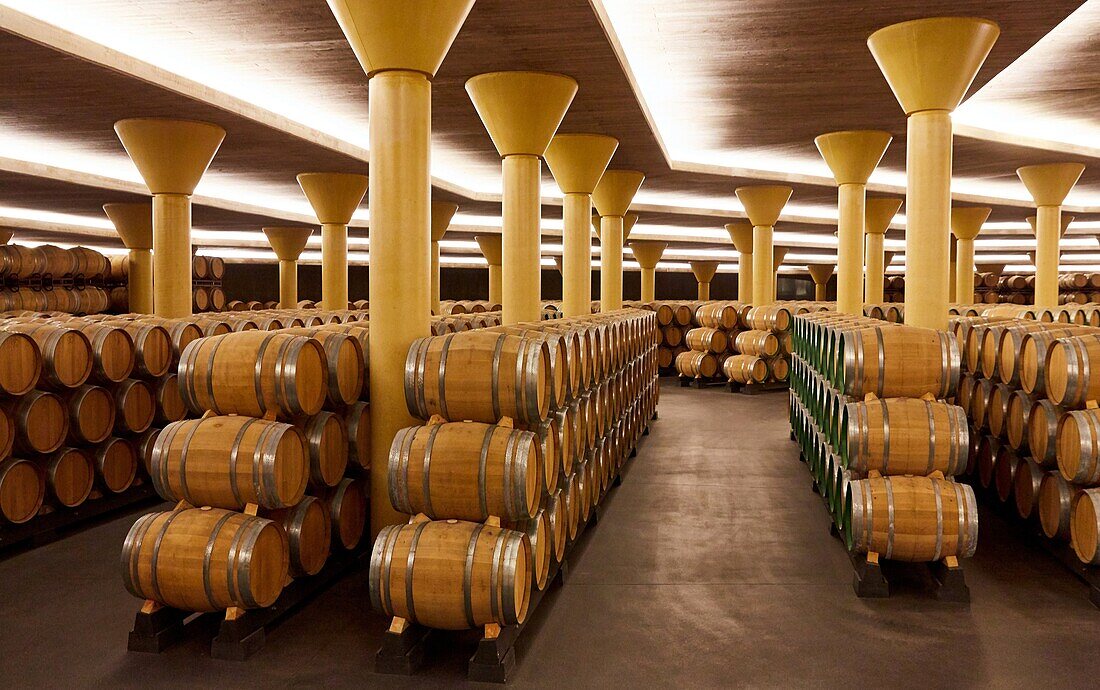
(541, 477)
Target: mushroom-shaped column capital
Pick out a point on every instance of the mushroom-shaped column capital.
(442, 213)
(764, 203)
(334, 196)
(966, 223)
(820, 272)
(853, 155)
(7, 233)
(648, 252)
(1066, 220)
(741, 235)
(170, 155)
(878, 214)
(1049, 183)
(615, 191)
(412, 35)
(578, 161)
(778, 254)
(491, 248)
(133, 222)
(521, 110)
(704, 270)
(930, 63)
(996, 269)
(887, 259)
(288, 242)
(629, 221)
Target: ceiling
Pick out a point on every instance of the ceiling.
(703, 95)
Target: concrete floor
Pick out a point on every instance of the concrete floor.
(712, 567)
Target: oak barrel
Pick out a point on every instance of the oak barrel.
(20, 362)
(357, 418)
(899, 361)
(757, 343)
(91, 411)
(41, 421)
(70, 475)
(169, 403)
(135, 405)
(904, 436)
(309, 534)
(116, 462)
(228, 462)
(205, 559)
(1055, 505)
(696, 364)
(348, 508)
(22, 490)
(113, 355)
(709, 340)
(1085, 526)
(450, 574)
(66, 352)
(346, 363)
(326, 437)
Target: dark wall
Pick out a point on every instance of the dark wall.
(261, 282)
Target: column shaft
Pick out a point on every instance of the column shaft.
(576, 263)
(288, 284)
(1048, 228)
(649, 284)
(928, 211)
(849, 268)
(172, 255)
(522, 270)
(744, 277)
(876, 269)
(820, 291)
(496, 284)
(704, 292)
(334, 266)
(139, 281)
(763, 271)
(964, 271)
(611, 263)
(435, 278)
(400, 235)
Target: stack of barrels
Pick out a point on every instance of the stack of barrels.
(885, 311)
(893, 288)
(713, 339)
(99, 388)
(49, 278)
(674, 320)
(267, 480)
(870, 409)
(1031, 394)
(207, 294)
(527, 427)
(459, 307)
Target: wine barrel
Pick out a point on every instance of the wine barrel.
(346, 363)
(181, 332)
(309, 534)
(40, 420)
(326, 437)
(66, 352)
(116, 462)
(779, 368)
(205, 559)
(558, 522)
(169, 403)
(1085, 526)
(1069, 364)
(466, 470)
(357, 418)
(22, 490)
(20, 362)
(1028, 480)
(673, 335)
(135, 406)
(709, 340)
(1004, 472)
(496, 587)
(757, 343)
(215, 267)
(91, 411)
(911, 518)
(288, 374)
(446, 375)
(899, 361)
(70, 476)
(1019, 407)
(55, 261)
(904, 436)
(228, 462)
(89, 263)
(721, 315)
(1055, 505)
(200, 268)
(996, 411)
(745, 369)
(1042, 432)
(113, 355)
(200, 299)
(7, 431)
(1034, 352)
(152, 347)
(1078, 446)
(537, 530)
(18, 262)
(772, 317)
(348, 508)
(144, 444)
(696, 364)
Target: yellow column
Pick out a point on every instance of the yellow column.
(288, 243)
(400, 46)
(442, 213)
(821, 274)
(929, 64)
(521, 111)
(953, 270)
(493, 250)
(966, 223)
(763, 204)
(612, 198)
(852, 156)
(578, 161)
(335, 198)
(741, 235)
(778, 254)
(704, 273)
(1048, 184)
(878, 214)
(171, 156)
(134, 224)
(648, 254)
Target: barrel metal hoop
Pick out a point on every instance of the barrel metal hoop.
(495, 375)
(442, 390)
(494, 576)
(426, 479)
(286, 370)
(412, 392)
(234, 453)
(508, 593)
(243, 559)
(207, 553)
(185, 494)
(158, 466)
(154, 582)
(268, 456)
(483, 457)
(885, 436)
(468, 576)
(889, 517)
(398, 469)
(257, 376)
(131, 552)
(939, 520)
(932, 438)
(375, 581)
(881, 360)
(1088, 469)
(210, 373)
(410, 562)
